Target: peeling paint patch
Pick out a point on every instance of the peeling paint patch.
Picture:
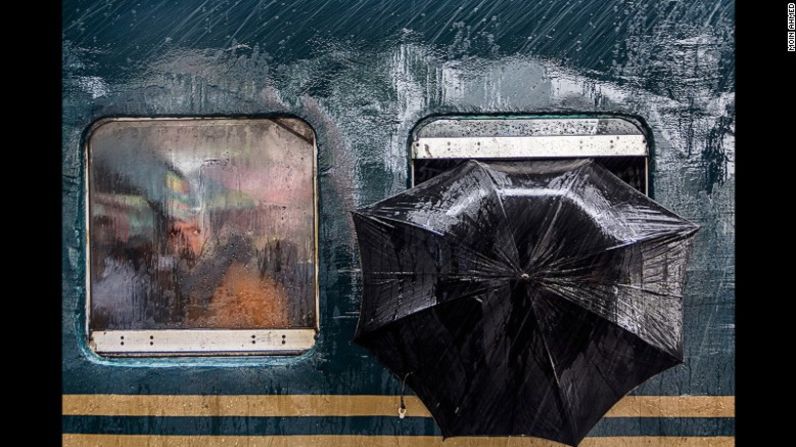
(93, 85)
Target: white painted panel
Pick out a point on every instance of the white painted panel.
(193, 341)
(531, 147)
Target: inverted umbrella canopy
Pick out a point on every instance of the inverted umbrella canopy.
(522, 298)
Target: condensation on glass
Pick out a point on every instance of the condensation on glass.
(202, 235)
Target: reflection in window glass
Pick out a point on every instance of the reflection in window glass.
(202, 224)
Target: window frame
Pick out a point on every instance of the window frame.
(197, 342)
(459, 137)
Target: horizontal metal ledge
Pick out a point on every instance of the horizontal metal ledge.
(464, 127)
(531, 147)
(164, 342)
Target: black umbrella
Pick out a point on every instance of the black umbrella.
(522, 298)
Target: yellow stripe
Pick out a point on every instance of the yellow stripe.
(341, 405)
(674, 406)
(380, 441)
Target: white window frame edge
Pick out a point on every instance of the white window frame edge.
(557, 141)
(202, 341)
(197, 342)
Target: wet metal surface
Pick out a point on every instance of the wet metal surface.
(363, 74)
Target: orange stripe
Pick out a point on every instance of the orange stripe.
(342, 405)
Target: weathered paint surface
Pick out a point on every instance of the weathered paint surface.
(363, 74)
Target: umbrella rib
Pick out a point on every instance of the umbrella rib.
(565, 408)
(676, 237)
(545, 254)
(651, 292)
(472, 292)
(494, 182)
(381, 220)
(575, 285)
(563, 295)
(489, 262)
(603, 376)
(560, 198)
(546, 283)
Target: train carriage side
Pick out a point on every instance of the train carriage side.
(251, 130)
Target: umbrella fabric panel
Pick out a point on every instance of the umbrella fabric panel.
(522, 298)
(475, 220)
(551, 238)
(410, 269)
(622, 213)
(595, 361)
(637, 287)
(477, 363)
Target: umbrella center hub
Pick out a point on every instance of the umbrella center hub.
(525, 277)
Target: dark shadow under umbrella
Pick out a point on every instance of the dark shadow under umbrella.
(522, 298)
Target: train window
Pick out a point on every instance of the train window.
(439, 144)
(201, 236)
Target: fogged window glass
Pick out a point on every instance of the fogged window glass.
(202, 224)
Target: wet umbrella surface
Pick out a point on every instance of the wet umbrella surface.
(522, 298)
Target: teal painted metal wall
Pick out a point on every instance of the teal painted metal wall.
(363, 74)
